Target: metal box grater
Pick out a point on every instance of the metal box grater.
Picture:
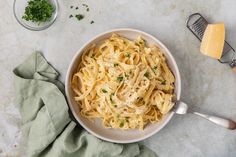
(197, 24)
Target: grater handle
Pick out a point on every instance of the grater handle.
(233, 65)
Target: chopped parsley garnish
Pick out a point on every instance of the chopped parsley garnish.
(77, 8)
(104, 90)
(87, 9)
(155, 67)
(116, 64)
(38, 11)
(121, 124)
(70, 16)
(79, 16)
(163, 82)
(140, 99)
(126, 75)
(112, 102)
(127, 54)
(111, 99)
(91, 22)
(119, 78)
(85, 5)
(146, 74)
(71, 7)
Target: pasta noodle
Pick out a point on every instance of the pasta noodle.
(124, 83)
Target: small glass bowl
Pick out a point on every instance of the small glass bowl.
(19, 10)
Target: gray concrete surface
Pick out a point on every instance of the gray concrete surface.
(207, 85)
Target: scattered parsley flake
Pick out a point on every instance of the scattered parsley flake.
(104, 90)
(71, 7)
(127, 54)
(163, 82)
(116, 64)
(85, 5)
(141, 98)
(79, 16)
(112, 101)
(155, 67)
(77, 8)
(70, 16)
(121, 124)
(87, 9)
(119, 78)
(91, 22)
(146, 74)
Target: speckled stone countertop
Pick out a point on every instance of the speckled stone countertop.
(207, 85)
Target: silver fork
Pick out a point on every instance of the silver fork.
(182, 108)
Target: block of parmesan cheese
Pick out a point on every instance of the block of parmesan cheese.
(213, 40)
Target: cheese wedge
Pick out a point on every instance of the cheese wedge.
(213, 40)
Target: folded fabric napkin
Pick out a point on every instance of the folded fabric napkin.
(45, 121)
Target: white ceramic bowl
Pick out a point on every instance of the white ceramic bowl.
(117, 135)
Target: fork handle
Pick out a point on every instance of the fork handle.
(227, 123)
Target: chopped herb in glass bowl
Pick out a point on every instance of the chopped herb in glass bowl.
(36, 14)
(38, 11)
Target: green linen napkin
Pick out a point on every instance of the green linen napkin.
(46, 125)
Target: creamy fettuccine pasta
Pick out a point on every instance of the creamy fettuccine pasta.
(124, 83)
